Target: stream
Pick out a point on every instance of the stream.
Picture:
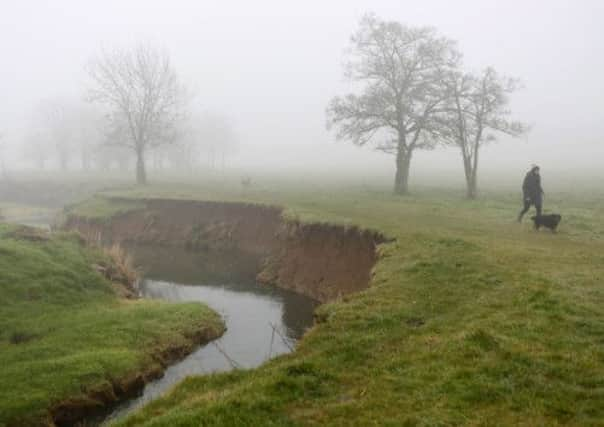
(262, 321)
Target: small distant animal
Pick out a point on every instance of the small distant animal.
(246, 182)
(550, 221)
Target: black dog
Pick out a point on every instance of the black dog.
(550, 221)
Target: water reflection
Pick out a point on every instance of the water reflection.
(261, 321)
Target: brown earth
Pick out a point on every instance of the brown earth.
(98, 400)
(195, 225)
(323, 261)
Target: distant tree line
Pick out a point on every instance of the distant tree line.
(135, 111)
(413, 94)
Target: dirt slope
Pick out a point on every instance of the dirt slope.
(322, 261)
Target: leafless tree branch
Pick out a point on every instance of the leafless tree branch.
(145, 98)
(402, 71)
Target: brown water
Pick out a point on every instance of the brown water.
(261, 321)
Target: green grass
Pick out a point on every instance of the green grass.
(101, 208)
(10, 211)
(63, 330)
(471, 319)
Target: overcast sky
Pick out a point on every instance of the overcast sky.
(273, 66)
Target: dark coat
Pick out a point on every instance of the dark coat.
(531, 187)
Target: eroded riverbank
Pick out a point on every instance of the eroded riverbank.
(322, 261)
(261, 321)
(203, 243)
(70, 346)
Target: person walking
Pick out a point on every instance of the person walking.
(532, 193)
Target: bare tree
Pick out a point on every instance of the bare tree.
(87, 134)
(216, 137)
(209, 135)
(477, 112)
(144, 97)
(56, 119)
(401, 71)
(36, 146)
(68, 127)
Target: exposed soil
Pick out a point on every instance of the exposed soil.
(23, 232)
(319, 260)
(100, 399)
(195, 225)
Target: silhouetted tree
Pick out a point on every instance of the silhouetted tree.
(87, 134)
(477, 111)
(144, 97)
(36, 146)
(400, 69)
(209, 135)
(55, 117)
(216, 137)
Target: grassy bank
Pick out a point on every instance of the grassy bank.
(64, 332)
(471, 319)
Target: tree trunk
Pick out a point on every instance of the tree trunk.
(471, 187)
(141, 174)
(469, 168)
(470, 183)
(401, 179)
(472, 174)
(471, 179)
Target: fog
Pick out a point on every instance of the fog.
(271, 67)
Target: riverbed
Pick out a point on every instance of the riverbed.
(262, 321)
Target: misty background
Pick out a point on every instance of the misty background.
(271, 67)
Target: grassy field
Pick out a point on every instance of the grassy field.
(64, 331)
(471, 319)
(14, 212)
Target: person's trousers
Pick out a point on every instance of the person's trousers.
(527, 205)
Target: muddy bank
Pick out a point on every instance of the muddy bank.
(322, 261)
(194, 225)
(98, 401)
(70, 349)
(261, 321)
